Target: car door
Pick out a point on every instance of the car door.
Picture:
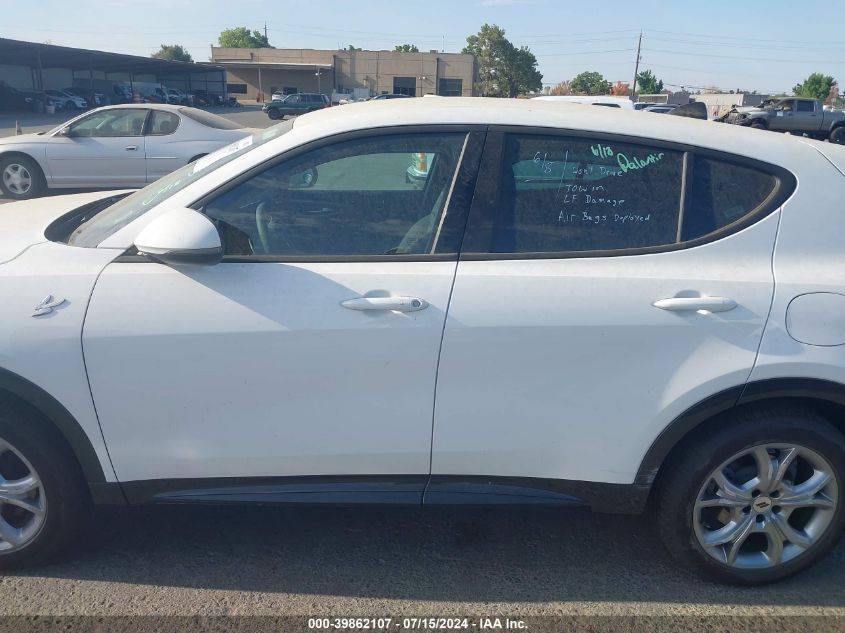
(806, 118)
(604, 287)
(312, 348)
(161, 147)
(103, 149)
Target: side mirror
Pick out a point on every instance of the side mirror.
(181, 236)
(304, 179)
(65, 132)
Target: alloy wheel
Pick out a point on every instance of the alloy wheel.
(23, 504)
(765, 506)
(17, 179)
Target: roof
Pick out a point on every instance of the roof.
(18, 53)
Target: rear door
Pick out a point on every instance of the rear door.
(163, 153)
(103, 149)
(604, 287)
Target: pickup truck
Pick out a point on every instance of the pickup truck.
(793, 115)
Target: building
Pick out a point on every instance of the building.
(33, 67)
(721, 103)
(255, 74)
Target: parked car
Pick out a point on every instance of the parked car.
(660, 109)
(599, 100)
(99, 99)
(389, 96)
(642, 105)
(12, 99)
(114, 146)
(577, 307)
(294, 104)
(66, 100)
(793, 115)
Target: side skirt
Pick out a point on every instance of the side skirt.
(402, 490)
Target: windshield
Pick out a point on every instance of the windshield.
(118, 215)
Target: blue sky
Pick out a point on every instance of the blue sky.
(697, 44)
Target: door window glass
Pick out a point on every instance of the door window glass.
(561, 194)
(163, 123)
(110, 123)
(806, 106)
(723, 193)
(376, 196)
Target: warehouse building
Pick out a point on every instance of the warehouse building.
(255, 74)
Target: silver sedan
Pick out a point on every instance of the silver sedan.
(115, 146)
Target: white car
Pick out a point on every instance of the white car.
(115, 146)
(67, 100)
(576, 307)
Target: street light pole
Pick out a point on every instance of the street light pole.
(636, 69)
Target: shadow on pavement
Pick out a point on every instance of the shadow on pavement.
(536, 555)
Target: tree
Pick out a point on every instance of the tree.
(352, 49)
(648, 84)
(816, 86)
(590, 83)
(173, 52)
(242, 37)
(503, 69)
(561, 90)
(620, 89)
(833, 95)
(407, 48)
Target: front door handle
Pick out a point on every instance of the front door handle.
(397, 304)
(708, 304)
(131, 148)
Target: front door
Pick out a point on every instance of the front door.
(312, 348)
(591, 306)
(103, 149)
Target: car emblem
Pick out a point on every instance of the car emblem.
(46, 306)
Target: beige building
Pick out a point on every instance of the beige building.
(256, 73)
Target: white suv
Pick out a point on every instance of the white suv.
(576, 306)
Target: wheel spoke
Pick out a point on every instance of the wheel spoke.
(727, 533)
(9, 533)
(17, 492)
(739, 538)
(808, 493)
(787, 456)
(721, 502)
(728, 489)
(775, 550)
(790, 534)
(765, 467)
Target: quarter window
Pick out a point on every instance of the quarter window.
(565, 194)
(163, 123)
(376, 196)
(723, 193)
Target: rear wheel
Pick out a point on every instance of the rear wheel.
(838, 136)
(273, 114)
(20, 178)
(758, 125)
(757, 500)
(43, 499)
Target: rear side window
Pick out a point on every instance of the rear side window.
(723, 193)
(565, 194)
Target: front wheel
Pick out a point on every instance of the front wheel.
(274, 114)
(20, 178)
(838, 136)
(756, 500)
(43, 498)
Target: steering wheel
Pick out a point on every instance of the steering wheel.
(268, 238)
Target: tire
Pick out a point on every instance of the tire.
(70, 105)
(758, 125)
(838, 136)
(20, 178)
(30, 453)
(687, 485)
(274, 114)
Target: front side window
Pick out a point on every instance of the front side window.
(570, 194)
(110, 123)
(382, 195)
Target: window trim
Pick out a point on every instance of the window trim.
(461, 192)
(69, 126)
(493, 157)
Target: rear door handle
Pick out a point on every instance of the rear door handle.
(131, 148)
(709, 304)
(397, 304)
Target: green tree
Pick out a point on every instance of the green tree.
(648, 84)
(407, 48)
(353, 49)
(816, 86)
(590, 83)
(242, 37)
(503, 69)
(173, 52)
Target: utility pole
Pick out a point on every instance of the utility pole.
(636, 69)
(265, 30)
